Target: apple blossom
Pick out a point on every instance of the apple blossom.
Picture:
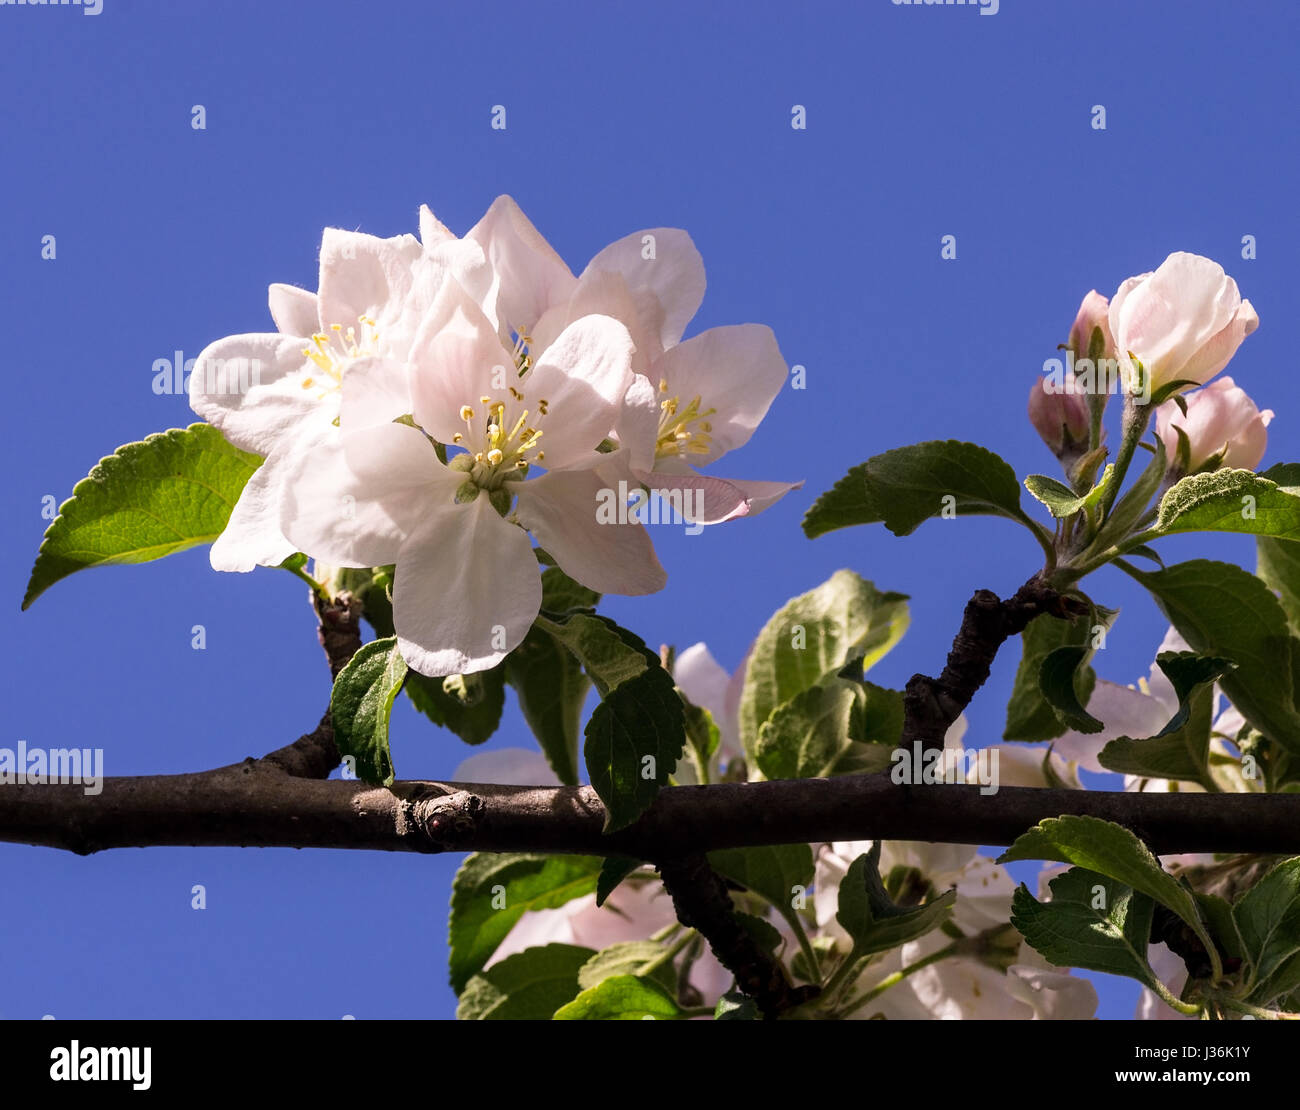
(1060, 417)
(691, 401)
(466, 588)
(706, 684)
(1183, 323)
(1094, 313)
(1222, 427)
(372, 296)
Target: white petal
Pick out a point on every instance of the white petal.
(432, 229)
(559, 508)
(702, 679)
(467, 589)
(583, 377)
(375, 391)
(507, 767)
(1124, 712)
(736, 371)
(250, 386)
(352, 500)
(529, 276)
(667, 288)
(637, 423)
(361, 275)
(252, 536)
(293, 310)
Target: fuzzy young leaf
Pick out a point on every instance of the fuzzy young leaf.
(166, 493)
(362, 703)
(870, 917)
(837, 728)
(1229, 501)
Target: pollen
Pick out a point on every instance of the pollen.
(683, 429)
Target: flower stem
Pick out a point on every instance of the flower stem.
(1136, 418)
(897, 977)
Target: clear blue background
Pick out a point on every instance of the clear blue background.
(922, 122)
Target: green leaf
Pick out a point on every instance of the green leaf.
(1279, 567)
(1030, 716)
(1181, 750)
(841, 727)
(1092, 922)
(561, 594)
(169, 492)
(528, 986)
(702, 732)
(628, 958)
(1274, 990)
(773, 872)
(1229, 501)
(845, 504)
(1109, 850)
(870, 917)
(634, 740)
(621, 998)
(1226, 612)
(1268, 918)
(612, 872)
(552, 690)
(608, 653)
(810, 638)
(469, 705)
(1060, 678)
(361, 704)
(1060, 499)
(734, 1006)
(909, 485)
(1130, 508)
(492, 892)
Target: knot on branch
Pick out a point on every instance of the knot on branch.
(448, 821)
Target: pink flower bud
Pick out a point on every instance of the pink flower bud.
(1182, 322)
(1059, 415)
(1223, 428)
(1094, 313)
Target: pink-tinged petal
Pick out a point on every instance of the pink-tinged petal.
(361, 275)
(507, 767)
(637, 423)
(699, 499)
(666, 288)
(251, 387)
(457, 357)
(736, 371)
(559, 508)
(294, 310)
(432, 229)
(762, 495)
(602, 293)
(583, 377)
(529, 276)
(252, 537)
(353, 499)
(466, 590)
(375, 391)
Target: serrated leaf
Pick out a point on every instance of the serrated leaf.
(628, 958)
(1279, 567)
(1060, 499)
(168, 492)
(837, 728)
(634, 739)
(1030, 717)
(1092, 922)
(1109, 850)
(1226, 612)
(552, 690)
(1060, 680)
(1268, 918)
(620, 998)
(608, 653)
(845, 504)
(361, 704)
(471, 708)
(1229, 500)
(612, 872)
(771, 871)
(810, 638)
(1181, 750)
(528, 986)
(492, 892)
(870, 917)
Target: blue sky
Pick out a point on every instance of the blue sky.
(921, 122)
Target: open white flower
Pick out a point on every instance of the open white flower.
(466, 586)
(691, 402)
(276, 393)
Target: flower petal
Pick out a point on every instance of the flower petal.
(666, 287)
(507, 767)
(353, 499)
(375, 391)
(559, 508)
(736, 371)
(466, 590)
(294, 310)
(361, 275)
(252, 537)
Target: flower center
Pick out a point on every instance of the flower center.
(499, 440)
(333, 350)
(683, 429)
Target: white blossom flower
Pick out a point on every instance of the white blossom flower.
(276, 393)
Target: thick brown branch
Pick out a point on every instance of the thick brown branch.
(254, 804)
(931, 705)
